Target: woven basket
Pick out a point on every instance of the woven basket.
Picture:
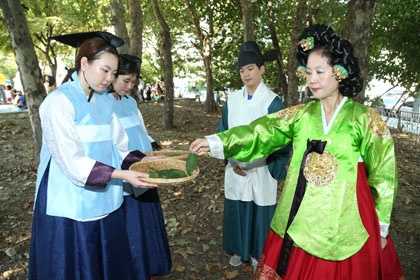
(160, 164)
(176, 154)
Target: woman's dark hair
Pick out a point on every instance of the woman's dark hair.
(128, 64)
(92, 49)
(338, 51)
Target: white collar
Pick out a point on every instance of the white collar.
(260, 87)
(326, 127)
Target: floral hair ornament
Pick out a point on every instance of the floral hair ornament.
(307, 44)
(340, 73)
(301, 72)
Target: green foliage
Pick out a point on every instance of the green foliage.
(65, 16)
(149, 69)
(228, 30)
(5, 44)
(376, 102)
(395, 51)
(7, 65)
(167, 174)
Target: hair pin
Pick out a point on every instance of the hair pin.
(340, 73)
(307, 43)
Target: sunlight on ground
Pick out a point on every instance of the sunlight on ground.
(166, 143)
(8, 274)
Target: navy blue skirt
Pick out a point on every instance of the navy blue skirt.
(66, 249)
(147, 235)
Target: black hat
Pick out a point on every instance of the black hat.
(249, 53)
(76, 39)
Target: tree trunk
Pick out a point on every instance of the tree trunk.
(205, 49)
(118, 21)
(292, 97)
(281, 75)
(210, 104)
(358, 31)
(248, 20)
(165, 47)
(136, 28)
(47, 49)
(27, 63)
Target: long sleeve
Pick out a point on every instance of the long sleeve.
(260, 138)
(61, 137)
(377, 150)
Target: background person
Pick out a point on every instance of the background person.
(8, 94)
(145, 223)
(21, 100)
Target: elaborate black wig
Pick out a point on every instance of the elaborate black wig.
(338, 51)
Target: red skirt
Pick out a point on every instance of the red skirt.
(371, 262)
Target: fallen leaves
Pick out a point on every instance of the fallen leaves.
(231, 274)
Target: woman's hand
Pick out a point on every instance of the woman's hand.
(383, 243)
(200, 146)
(135, 178)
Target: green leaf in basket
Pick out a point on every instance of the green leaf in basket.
(172, 154)
(167, 174)
(192, 163)
(153, 173)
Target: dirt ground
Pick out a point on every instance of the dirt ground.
(193, 213)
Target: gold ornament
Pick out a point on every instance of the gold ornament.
(307, 43)
(289, 112)
(340, 73)
(320, 169)
(377, 124)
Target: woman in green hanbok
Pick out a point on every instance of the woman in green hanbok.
(333, 216)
